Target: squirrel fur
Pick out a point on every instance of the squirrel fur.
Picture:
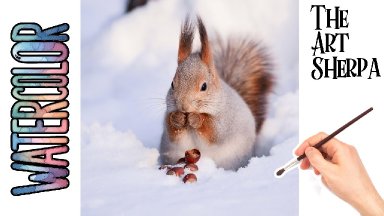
(217, 101)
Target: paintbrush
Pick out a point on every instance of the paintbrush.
(322, 142)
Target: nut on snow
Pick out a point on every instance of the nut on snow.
(177, 171)
(190, 178)
(181, 161)
(192, 167)
(192, 156)
(164, 167)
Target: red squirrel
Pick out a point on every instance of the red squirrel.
(217, 100)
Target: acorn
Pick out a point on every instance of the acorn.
(177, 171)
(192, 156)
(191, 167)
(190, 178)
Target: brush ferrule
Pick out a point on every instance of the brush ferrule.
(291, 164)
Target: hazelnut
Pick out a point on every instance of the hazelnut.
(164, 167)
(190, 178)
(192, 167)
(192, 156)
(177, 171)
(181, 161)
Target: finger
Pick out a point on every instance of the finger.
(311, 141)
(332, 147)
(305, 164)
(324, 181)
(300, 150)
(317, 161)
(316, 171)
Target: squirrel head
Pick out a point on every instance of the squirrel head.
(196, 84)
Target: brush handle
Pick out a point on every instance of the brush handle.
(329, 137)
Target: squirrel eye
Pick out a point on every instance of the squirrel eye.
(203, 87)
(172, 86)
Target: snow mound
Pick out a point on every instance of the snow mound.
(121, 176)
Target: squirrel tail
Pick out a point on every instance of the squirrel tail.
(244, 66)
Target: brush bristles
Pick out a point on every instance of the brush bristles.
(280, 172)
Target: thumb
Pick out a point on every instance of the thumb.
(317, 160)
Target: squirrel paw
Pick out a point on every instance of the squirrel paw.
(195, 120)
(178, 119)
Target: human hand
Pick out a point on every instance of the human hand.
(342, 172)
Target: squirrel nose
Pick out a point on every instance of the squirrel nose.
(185, 107)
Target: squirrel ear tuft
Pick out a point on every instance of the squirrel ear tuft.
(186, 40)
(205, 53)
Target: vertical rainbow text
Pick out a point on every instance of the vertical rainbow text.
(40, 121)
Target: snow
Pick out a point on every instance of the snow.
(128, 64)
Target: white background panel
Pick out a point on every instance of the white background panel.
(47, 13)
(327, 104)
